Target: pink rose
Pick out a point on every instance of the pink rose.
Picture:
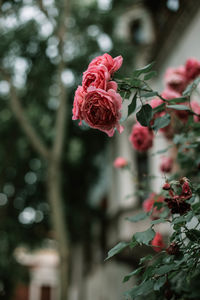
(78, 101)
(175, 79)
(181, 114)
(196, 108)
(120, 162)
(158, 242)
(141, 137)
(101, 110)
(170, 94)
(156, 102)
(166, 164)
(97, 76)
(192, 68)
(112, 64)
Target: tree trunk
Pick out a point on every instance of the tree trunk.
(55, 199)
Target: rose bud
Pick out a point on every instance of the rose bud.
(166, 186)
(120, 162)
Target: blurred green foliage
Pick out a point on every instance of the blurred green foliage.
(29, 52)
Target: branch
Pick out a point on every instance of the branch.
(19, 113)
(61, 116)
(42, 8)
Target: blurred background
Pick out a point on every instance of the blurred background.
(62, 204)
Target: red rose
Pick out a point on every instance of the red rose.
(192, 68)
(158, 242)
(149, 203)
(141, 137)
(100, 109)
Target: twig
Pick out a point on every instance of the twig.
(42, 8)
(19, 113)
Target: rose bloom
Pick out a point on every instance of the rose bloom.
(100, 109)
(175, 79)
(78, 101)
(192, 68)
(181, 114)
(158, 242)
(155, 103)
(170, 94)
(97, 76)
(112, 64)
(166, 164)
(149, 203)
(141, 137)
(120, 162)
(196, 108)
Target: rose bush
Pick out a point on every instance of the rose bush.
(174, 271)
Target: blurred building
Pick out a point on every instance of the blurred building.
(166, 32)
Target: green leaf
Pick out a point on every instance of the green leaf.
(193, 235)
(132, 105)
(191, 87)
(150, 75)
(144, 237)
(165, 269)
(133, 243)
(179, 220)
(149, 94)
(146, 69)
(145, 114)
(164, 213)
(159, 283)
(135, 272)
(159, 108)
(146, 258)
(161, 220)
(117, 249)
(138, 217)
(142, 289)
(163, 150)
(178, 100)
(136, 83)
(178, 107)
(161, 122)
